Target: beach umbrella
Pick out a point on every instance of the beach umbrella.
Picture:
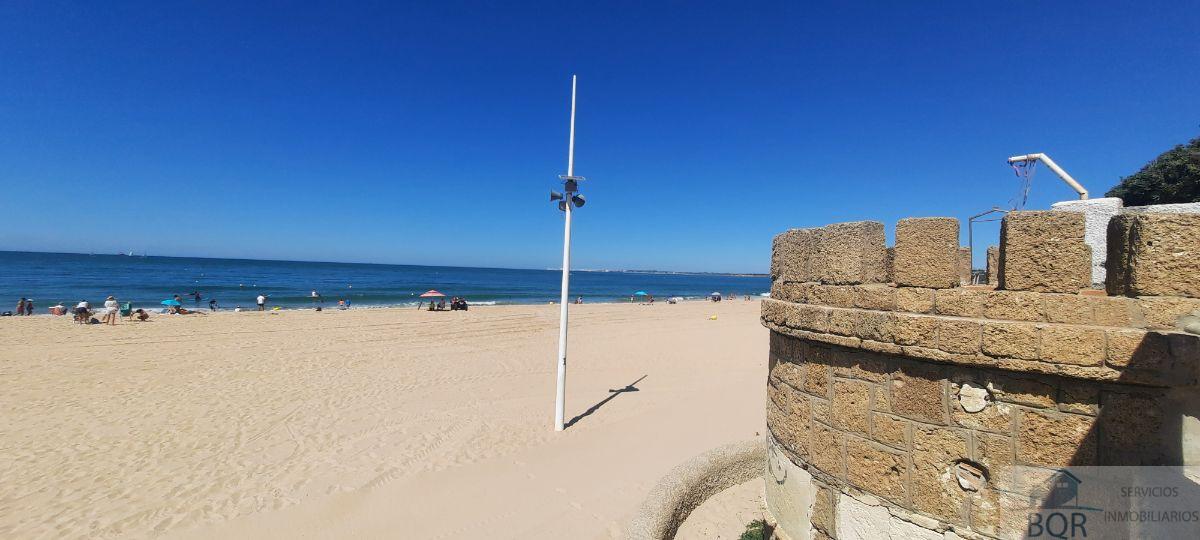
(432, 294)
(715, 293)
(640, 293)
(171, 303)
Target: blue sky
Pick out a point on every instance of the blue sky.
(384, 132)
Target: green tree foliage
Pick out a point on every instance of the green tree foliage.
(1173, 177)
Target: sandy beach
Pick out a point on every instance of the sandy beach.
(365, 423)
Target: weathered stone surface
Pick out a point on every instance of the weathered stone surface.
(851, 405)
(1044, 251)
(889, 265)
(828, 456)
(1165, 311)
(875, 325)
(1075, 345)
(960, 302)
(993, 264)
(1154, 255)
(823, 510)
(964, 265)
(927, 253)
(820, 410)
(852, 253)
(858, 365)
(934, 489)
(914, 299)
(1116, 311)
(1131, 428)
(1055, 439)
(817, 379)
(1013, 340)
(919, 394)
(959, 336)
(843, 322)
(996, 453)
(1139, 349)
(877, 297)
(915, 330)
(794, 254)
(995, 416)
(1013, 306)
(806, 317)
(1079, 398)
(792, 431)
(1021, 391)
(1068, 308)
(841, 296)
(873, 468)
(788, 373)
(889, 430)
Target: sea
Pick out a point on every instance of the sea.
(68, 278)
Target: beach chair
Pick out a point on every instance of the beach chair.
(127, 310)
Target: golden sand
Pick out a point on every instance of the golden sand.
(366, 423)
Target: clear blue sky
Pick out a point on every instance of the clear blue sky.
(384, 132)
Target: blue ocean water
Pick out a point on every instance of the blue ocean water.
(50, 278)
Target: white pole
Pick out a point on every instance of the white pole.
(561, 397)
(1083, 193)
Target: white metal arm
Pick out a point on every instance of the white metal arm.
(1083, 193)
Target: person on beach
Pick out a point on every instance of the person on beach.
(83, 312)
(111, 308)
(212, 304)
(20, 307)
(342, 304)
(29, 307)
(262, 302)
(579, 300)
(140, 314)
(316, 297)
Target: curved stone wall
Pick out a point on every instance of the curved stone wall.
(908, 405)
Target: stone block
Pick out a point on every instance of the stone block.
(889, 265)
(1079, 398)
(852, 253)
(1055, 439)
(1115, 311)
(1138, 349)
(843, 322)
(959, 336)
(889, 430)
(1154, 255)
(935, 491)
(993, 264)
(919, 394)
(996, 453)
(875, 326)
(1011, 340)
(794, 254)
(851, 405)
(829, 456)
(964, 265)
(1075, 345)
(806, 317)
(927, 253)
(852, 364)
(792, 431)
(960, 302)
(877, 297)
(1165, 311)
(820, 410)
(878, 470)
(1131, 430)
(995, 416)
(1068, 308)
(914, 299)
(1044, 252)
(832, 295)
(1013, 306)
(823, 510)
(788, 373)
(817, 379)
(915, 330)
(1022, 391)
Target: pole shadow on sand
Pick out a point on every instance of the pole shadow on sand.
(613, 394)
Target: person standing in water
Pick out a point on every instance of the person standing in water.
(20, 307)
(29, 306)
(212, 304)
(262, 302)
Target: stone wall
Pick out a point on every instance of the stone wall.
(900, 408)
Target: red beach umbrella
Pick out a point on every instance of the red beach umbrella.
(432, 294)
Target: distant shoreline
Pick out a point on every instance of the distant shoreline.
(141, 256)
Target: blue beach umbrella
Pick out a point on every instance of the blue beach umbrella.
(171, 303)
(640, 293)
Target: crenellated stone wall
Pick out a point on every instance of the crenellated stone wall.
(898, 408)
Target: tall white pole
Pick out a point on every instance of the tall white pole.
(560, 399)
